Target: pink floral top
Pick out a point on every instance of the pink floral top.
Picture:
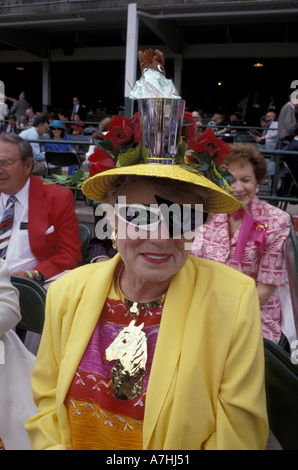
(213, 242)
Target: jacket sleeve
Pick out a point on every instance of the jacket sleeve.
(64, 243)
(43, 428)
(241, 416)
(9, 301)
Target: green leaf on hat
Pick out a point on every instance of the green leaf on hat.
(132, 157)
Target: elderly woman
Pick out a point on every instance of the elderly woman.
(153, 349)
(251, 243)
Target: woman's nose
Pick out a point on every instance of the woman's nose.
(237, 185)
(161, 234)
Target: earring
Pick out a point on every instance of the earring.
(114, 239)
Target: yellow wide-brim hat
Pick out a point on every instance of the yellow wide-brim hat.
(219, 200)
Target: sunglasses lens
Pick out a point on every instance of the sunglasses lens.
(181, 218)
(141, 216)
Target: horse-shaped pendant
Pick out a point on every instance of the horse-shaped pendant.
(130, 348)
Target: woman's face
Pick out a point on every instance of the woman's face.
(56, 133)
(153, 257)
(244, 181)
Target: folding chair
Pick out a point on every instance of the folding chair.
(32, 306)
(281, 382)
(61, 159)
(85, 234)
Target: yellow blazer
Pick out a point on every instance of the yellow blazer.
(206, 387)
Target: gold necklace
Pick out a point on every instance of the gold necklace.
(136, 307)
(130, 349)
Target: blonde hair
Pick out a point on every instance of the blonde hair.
(216, 117)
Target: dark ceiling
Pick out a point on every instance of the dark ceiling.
(38, 30)
(41, 27)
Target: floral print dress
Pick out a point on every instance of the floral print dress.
(213, 242)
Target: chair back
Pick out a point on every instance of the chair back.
(85, 234)
(281, 382)
(60, 159)
(32, 304)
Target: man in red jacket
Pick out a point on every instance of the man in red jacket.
(43, 239)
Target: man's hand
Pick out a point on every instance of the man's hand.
(22, 274)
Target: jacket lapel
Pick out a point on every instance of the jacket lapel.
(86, 317)
(38, 216)
(168, 347)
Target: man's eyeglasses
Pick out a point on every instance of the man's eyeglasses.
(178, 218)
(8, 163)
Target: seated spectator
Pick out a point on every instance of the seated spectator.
(215, 120)
(57, 132)
(251, 243)
(16, 365)
(78, 127)
(232, 126)
(198, 120)
(87, 399)
(11, 126)
(43, 238)
(24, 122)
(64, 117)
(31, 115)
(269, 136)
(39, 128)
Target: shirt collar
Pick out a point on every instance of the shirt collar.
(22, 195)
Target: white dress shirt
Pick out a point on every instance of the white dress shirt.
(32, 134)
(19, 256)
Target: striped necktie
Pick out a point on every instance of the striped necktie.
(6, 225)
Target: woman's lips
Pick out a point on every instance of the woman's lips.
(156, 258)
(240, 196)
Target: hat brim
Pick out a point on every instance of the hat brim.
(57, 126)
(219, 201)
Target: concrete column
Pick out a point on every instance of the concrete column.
(131, 56)
(46, 85)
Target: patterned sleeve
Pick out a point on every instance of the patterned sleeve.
(272, 268)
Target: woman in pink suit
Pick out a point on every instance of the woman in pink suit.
(251, 243)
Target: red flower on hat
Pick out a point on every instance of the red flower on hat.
(135, 122)
(120, 131)
(218, 149)
(100, 161)
(188, 127)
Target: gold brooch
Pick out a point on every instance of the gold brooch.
(261, 227)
